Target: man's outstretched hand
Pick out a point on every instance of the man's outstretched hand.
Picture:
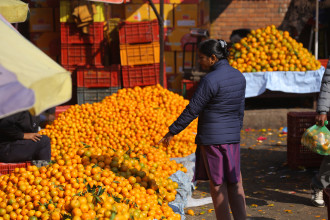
(166, 139)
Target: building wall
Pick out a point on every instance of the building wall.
(229, 15)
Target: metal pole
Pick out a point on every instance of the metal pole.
(316, 47)
(161, 43)
(160, 17)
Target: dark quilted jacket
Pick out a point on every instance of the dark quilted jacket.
(219, 103)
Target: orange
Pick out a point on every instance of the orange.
(190, 212)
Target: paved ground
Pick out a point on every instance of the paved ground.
(273, 190)
(269, 118)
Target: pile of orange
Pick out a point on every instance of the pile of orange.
(269, 49)
(132, 119)
(106, 163)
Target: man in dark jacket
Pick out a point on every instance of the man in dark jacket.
(19, 140)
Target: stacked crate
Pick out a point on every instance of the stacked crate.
(95, 83)
(83, 54)
(139, 53)
(187, 14)
(43, 29)
(179, 17)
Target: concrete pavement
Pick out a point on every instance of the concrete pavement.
(269, 118)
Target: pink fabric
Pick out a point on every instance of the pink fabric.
(223, 162)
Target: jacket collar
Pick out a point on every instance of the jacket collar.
(219, 63)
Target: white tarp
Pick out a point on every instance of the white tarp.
(284, 81)
(183, 198)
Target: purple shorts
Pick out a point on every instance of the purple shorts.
(219, 163)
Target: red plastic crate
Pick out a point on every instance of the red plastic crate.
(188, 88)
(94, 77)
(324, 62)
(70, 34)
(138, 32)
(143, 75)
(82, 54)
(298, 155)
(6, 168)
(60, 109)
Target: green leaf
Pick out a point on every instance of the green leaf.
(100, 190)
(66, 216)
(136, 158)
(97, 199)
(115, 181)
(86, 145)
(77, 180)
(113, 215)
(116, 199)
(113, 149)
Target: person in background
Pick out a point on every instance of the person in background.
(47, 117)
(321, 180)
(219, 103)
(20, 141)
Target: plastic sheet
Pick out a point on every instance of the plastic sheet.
(183, 197)
(284, 81)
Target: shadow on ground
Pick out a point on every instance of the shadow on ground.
(272, 189)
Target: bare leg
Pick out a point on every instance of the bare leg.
(220, 201)
(237, 199)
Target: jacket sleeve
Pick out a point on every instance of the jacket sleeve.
(323, 102)
(8, 127)
(201, 97)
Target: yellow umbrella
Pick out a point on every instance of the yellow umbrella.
(14, 11)
(29, 79)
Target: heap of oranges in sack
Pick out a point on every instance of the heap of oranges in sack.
(270, 49)
(106, 163)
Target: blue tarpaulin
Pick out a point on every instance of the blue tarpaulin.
(284, 81)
